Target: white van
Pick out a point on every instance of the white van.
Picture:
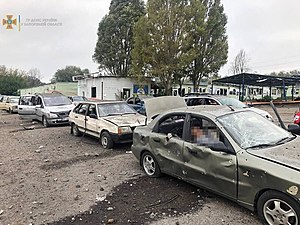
(48, 108)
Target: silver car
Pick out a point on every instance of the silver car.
(48, 108)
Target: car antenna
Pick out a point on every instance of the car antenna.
(230, 107)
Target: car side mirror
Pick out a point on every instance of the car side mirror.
(169, 136)
(218, 146)
(94, 116)
(294, 128)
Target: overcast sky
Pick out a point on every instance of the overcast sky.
(268, 31)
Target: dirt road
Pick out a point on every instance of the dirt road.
(49, 176)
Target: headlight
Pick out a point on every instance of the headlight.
(53, 115)
(123, 130)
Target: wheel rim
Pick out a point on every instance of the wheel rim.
(278, 212)
(149, 165)
(104, 141)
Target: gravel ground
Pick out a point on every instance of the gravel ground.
(49, 176)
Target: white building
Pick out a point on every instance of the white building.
(111, 87)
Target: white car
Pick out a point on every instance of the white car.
(111, 122)
(223, 100)
(49, 108)
(11, 104)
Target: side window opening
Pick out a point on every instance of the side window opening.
(172, 124)
(92, 110)
(82, 110)
(204, 132)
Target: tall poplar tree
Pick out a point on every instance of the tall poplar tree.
(115, 36)
(209, 40)
(162, 42)
(180, 38)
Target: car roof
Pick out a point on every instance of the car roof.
(50, 94)
(205, 110)
(102, 102)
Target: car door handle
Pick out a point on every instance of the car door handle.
(76, 117)
(156, 139)
(20, 108)
(192, 151)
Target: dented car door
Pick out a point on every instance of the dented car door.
(206, 164)
(167, 142)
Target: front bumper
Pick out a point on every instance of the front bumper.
(121, 138)
(56, 121)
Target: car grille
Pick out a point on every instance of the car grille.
(63, 114)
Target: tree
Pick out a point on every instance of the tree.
(11, 80)
(33, 78)
(209, 39)
(162, 41)
(240, 63)
(115, 36)
(66, 74)
(285, 74)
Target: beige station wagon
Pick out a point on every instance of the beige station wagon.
(111, 122)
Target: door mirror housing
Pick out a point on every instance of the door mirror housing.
(218, 146)
(294, 128)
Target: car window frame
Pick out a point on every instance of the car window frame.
(163, 118)
(88, 109)
(189, 138)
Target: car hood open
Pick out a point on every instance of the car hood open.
(158, 105)
(131, 120)
(286, 154)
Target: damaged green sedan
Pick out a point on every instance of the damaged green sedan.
(240, 155)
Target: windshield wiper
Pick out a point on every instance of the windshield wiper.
(260, 146)
(283, 140)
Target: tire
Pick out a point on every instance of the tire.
(106, 140)
(9, 110)
(74, 130)
(45, 122)
(150, 165)
(277, 208)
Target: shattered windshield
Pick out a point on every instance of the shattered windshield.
(111, 109)
(57, 101)
(250, 130)
(233, 102)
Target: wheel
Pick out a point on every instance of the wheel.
(275, 208)
(9, 110)
(150, 165)
(74, 130)
(45, 122)
(106, 140)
